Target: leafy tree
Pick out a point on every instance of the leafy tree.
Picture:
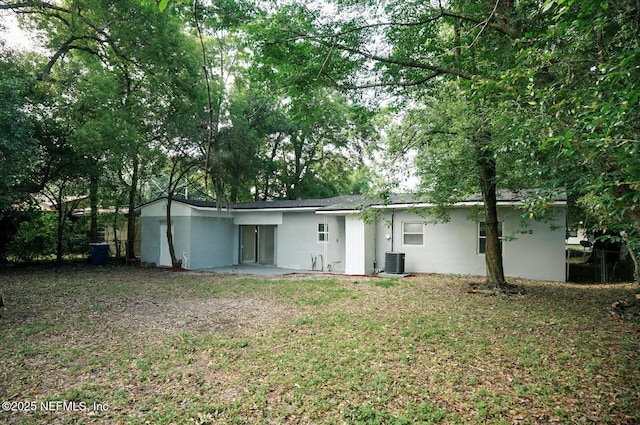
(584, 71)
(120, 86)
(65, 186)
(17, 144)
(428, 54)
(316, 137)
(35, 237)
(223, 58)
(241, 142)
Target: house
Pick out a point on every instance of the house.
(331, 235)
(577, 235)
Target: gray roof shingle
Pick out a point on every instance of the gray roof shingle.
(354, 202)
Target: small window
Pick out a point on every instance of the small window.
(482, 236)
(412, 233)
(323, 232)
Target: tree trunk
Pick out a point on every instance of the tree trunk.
(131, 217)
(60, 229)
(233, 197)
(487, 172)
(116, 240)
(172, 252)
(93, 200)
(636, 267)
(60, 236)
(634, 259)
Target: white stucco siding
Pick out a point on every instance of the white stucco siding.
(539, 255)
(298, 241)
(154, 209)
(159, 209)
(192, 235)
(452, 247)
(149, 239)
(154, 238)
(257, 218)
(211, 243)
(181, 232)
(449, 247)
(210, 238)
(383, 239)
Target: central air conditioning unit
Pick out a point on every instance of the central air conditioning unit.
(394, 262)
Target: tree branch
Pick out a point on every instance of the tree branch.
(35, 7)
(485, 23)
(386, 60)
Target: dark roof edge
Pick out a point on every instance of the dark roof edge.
(354, 202)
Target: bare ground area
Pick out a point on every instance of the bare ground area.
(197, 316)
(140, 301)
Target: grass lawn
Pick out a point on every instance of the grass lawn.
(116, 344)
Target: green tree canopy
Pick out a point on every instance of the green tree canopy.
(584, 71)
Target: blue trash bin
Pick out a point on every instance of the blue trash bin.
(99, 254)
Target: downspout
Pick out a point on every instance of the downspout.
(392, 229)
(326, 245)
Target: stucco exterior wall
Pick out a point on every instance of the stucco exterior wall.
(159, 209)
(452, 247)
(447, 247)
(153, 235)
(257, 218)
(211, 239)
(203, 236)
(149, 239)
(297, 242)
(181, 237)
(211, 242)
(541, 254)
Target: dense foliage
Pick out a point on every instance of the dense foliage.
(114, 109)
(492, 94)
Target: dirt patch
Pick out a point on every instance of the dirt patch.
(200, 315)
(136, 301)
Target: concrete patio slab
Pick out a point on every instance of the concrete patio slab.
(257, 270)
(397, 275)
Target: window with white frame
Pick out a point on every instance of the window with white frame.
(412, 233)
(323, 232)
(482, 236)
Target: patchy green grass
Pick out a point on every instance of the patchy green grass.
(129, 345)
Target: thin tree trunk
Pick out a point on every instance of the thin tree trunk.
(636, 267)
(233, 196)
(634, 259)
(174, 179)
(212, 148)
(272, 157)
(60, 230)
(60, 236)
(131, 217)
(93, 200)
(116, 241)
(172, 252)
